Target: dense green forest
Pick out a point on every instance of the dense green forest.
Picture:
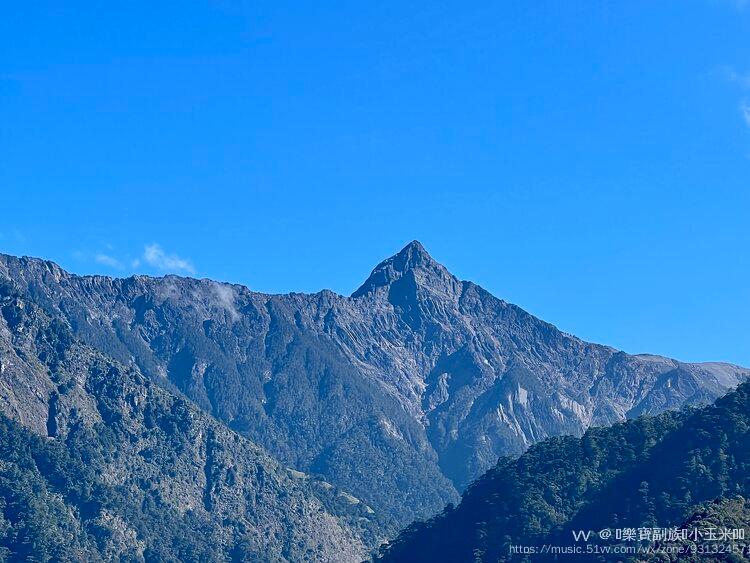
(645, 472)
(89, 497)
(730, 513)
(55, 506)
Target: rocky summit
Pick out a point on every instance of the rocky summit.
(398, 395)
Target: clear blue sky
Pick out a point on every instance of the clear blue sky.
(589, 161)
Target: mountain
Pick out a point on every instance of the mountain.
(98, 463)
(644, 473)
(400, 394)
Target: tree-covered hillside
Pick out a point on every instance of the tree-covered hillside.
(726, 513)
(98, 463)
(646, 472)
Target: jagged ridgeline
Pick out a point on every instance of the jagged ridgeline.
(401, 394)
(97, 463)
(649, 472)
(368, 411)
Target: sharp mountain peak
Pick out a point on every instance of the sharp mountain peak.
(412, 260)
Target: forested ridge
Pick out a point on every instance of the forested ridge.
(647, 472)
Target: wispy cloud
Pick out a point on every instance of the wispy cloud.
(225, 299)
(745, 109)
(742, 80)
(155, 256)
(110, 261)
(152, 257)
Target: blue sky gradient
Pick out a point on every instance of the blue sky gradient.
(587, 161)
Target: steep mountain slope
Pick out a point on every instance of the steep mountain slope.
(402, 393)
(99, 463)
(648, 472)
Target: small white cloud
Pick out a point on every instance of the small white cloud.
(225, 299)
(745, 109)
(742, 80)
(154, 255)
(108, 260)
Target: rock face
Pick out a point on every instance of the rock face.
(400, 394)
